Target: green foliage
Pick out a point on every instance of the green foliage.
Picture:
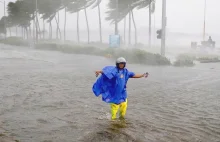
(208, 59)
(2, 26)
(124, 7)
(49, 8)
(19, 14)
(186, 57)
(135, 56)
(184, 63)
(2, 135)
(198, 57)
(17, 41)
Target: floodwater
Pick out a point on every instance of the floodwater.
(46, 97)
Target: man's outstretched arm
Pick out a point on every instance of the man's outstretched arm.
(140, 75)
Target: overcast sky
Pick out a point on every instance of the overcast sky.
(182, 15)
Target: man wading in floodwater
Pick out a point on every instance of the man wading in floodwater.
(112, 86)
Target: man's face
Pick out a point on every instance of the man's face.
(121, 65)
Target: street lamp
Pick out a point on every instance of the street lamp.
(4, 14)
(4, 6)
(164, 22)
(36, 4)
(150, 3)
(204, 21)
(116, 19)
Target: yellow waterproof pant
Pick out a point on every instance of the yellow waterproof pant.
(122, 110)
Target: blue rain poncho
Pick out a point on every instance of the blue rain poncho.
(112, 84)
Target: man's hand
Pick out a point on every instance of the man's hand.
(145, 74)
(97, 73)
(140, 75)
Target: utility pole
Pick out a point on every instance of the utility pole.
(116, 19)
(204, 21)
(164, 22)
(5, 21)
(150, 24)
(125, 30)
(129, 34)
(4, 18)
(36, 24)
(4, 8)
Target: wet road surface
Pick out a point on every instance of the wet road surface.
(46, 97)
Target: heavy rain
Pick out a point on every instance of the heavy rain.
(50, 50)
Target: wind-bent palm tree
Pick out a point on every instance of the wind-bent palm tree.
(3, 25)
(125, 8)
(64, 6)
(31, 4)
(58, 27)
(64, 29)
(125, 30)
(97, 4)
(48, 9)
(19, 15)
(22, 12)
(75, 7)
(132, 14)
(57, 4)
(151, 6)
(87, 24)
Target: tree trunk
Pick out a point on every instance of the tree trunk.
(59, 25)
(64, 32)
(16, 29)
(125, 31)
(150, 24)
(78, 39)
(36, 29)
(58, 28)
(39, 29)
(51, 30)
(10, 31)
(29, 31)
(33, 29)
(129, 38)
(26, 29)
(43, 29)
(134, 27)
(5, 31)
(154, 35)
(100, 24)
(23, 33)
(87, 24)
(38, 26)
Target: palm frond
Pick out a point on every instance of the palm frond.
(96, 3)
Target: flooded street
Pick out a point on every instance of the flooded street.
(47, 97)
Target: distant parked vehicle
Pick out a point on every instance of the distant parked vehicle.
(204, 44)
